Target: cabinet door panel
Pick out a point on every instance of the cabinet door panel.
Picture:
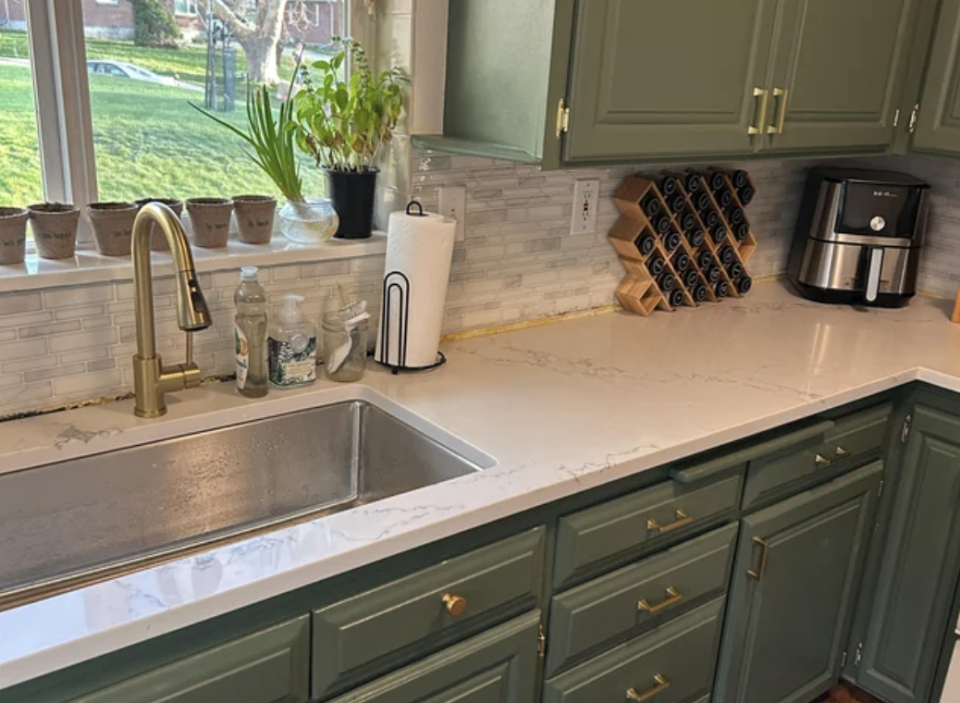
(842, 64)
(786, 629)
(666, 78)
(921, 559)
(938, 123)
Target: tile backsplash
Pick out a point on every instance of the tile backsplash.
(518, 262)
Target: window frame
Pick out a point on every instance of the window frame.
(187, 13)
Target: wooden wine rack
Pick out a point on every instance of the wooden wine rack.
(638, 292)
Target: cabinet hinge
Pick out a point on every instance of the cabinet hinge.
(843, 660)
(905, 430)
(563, 118)
(858, 655)
(913, 118)
(542, 642)
(880, 490)
(896, 118)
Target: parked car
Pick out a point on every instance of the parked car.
(122, 69)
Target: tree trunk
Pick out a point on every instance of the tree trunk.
(259, 37)
(261, 59)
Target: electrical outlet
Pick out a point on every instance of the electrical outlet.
(586, 196)
(453, 204)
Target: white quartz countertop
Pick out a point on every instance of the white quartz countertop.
(561, 408)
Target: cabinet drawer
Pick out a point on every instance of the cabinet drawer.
(608, 610)
(378, 630)
(678, 659)
(843, 445)
(616, 532)
(271, 666)
(498, 666)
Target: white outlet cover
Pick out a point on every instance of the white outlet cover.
(453, 204)
(586, 200)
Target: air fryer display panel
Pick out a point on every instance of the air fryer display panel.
(877, 210)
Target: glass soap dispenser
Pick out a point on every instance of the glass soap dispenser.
(292, 346)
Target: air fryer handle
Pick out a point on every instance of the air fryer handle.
(874, 267)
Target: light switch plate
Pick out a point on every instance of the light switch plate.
(453, 204)
(586, 197)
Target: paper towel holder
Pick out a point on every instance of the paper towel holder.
(415, 214)
(396, 286)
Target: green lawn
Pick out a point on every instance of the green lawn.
(149, 141)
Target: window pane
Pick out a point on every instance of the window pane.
(149, 140)
(20, 180)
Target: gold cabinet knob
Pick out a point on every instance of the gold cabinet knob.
(455, 605)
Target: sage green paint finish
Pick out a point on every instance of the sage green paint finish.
(913, 593)
(604, 612)
(785, 633)
(497, 72)
(794, 467)
(683, 651)
(498, 666)
(843, 65)
(617, 531)
(271, 666)
(938, 124)
(653, 79)
(922, 42)
(377, 630)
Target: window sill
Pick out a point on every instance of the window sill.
(90, 267)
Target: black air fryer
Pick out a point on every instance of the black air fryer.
(858, 237)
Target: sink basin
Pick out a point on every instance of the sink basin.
(97, 517)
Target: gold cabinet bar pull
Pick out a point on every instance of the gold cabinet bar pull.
(682, 521)
(841, 452)
(660, 685)
(673, 597)
(764, 553)
(822, 460)
(757, 128)
(780, 95)
(455, 605)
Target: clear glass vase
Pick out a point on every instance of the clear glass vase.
(313, 221)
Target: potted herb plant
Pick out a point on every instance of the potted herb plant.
(271, 137)
(343, 123)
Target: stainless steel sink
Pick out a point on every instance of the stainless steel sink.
(68, 524)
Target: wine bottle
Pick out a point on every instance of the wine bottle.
(696, 238)
(727, 255)
(722, 289)
(724, 197)
(699, 293)
(719, 233)
(714, 274)
(744, 285)
(735, 270)
(676, 298)
(681, 261)
(672, 241)
(691, 279)
(677, 204)
(710, 218)
(656, 265)
(741, 231)
(717, 181)
(668, 186)
(651, 205)
(701, 201)
(688, 221)
(645, 244)
(666, 281)
(735, 215)
(661, 223)
(739, 178)
(746, 195)
(692, 183)
(704, 260)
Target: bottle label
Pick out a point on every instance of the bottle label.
(293, 363)
(243, 356)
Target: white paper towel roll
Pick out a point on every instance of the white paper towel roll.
(419, 255)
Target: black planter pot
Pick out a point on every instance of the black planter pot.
(353, 194)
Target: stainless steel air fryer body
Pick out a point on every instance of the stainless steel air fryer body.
(859, 236)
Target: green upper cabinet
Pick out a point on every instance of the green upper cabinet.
(836, 74)
(900, 630)
(794, 586)
(938, 118)
(653, 79)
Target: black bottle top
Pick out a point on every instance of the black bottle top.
(651, 205)
(735, 269)
(688, 221)
(701, 201)
(691, 279)
(672, 241)
(723, 289)
(677, 204)
(645, 244)
(699, 293)
(727, 255)
(692, 183)
(676, 298)
(745, 285)
(740, 179)
(704, 260)
(717, 181)
(710, 219)
(656, 264)
(681, 262)
(746, 195)
(696, 238)
(725, 198)
(741, 231)
(714, 274)
(661, 223)
(667, 281)
(668, 186)
(735, 215)
(719, 233)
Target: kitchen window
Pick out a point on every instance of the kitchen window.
(87, 114)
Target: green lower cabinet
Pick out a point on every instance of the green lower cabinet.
(271, 666)
(895, 653)
(673, 664)
(793, 591)
(499, 666)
